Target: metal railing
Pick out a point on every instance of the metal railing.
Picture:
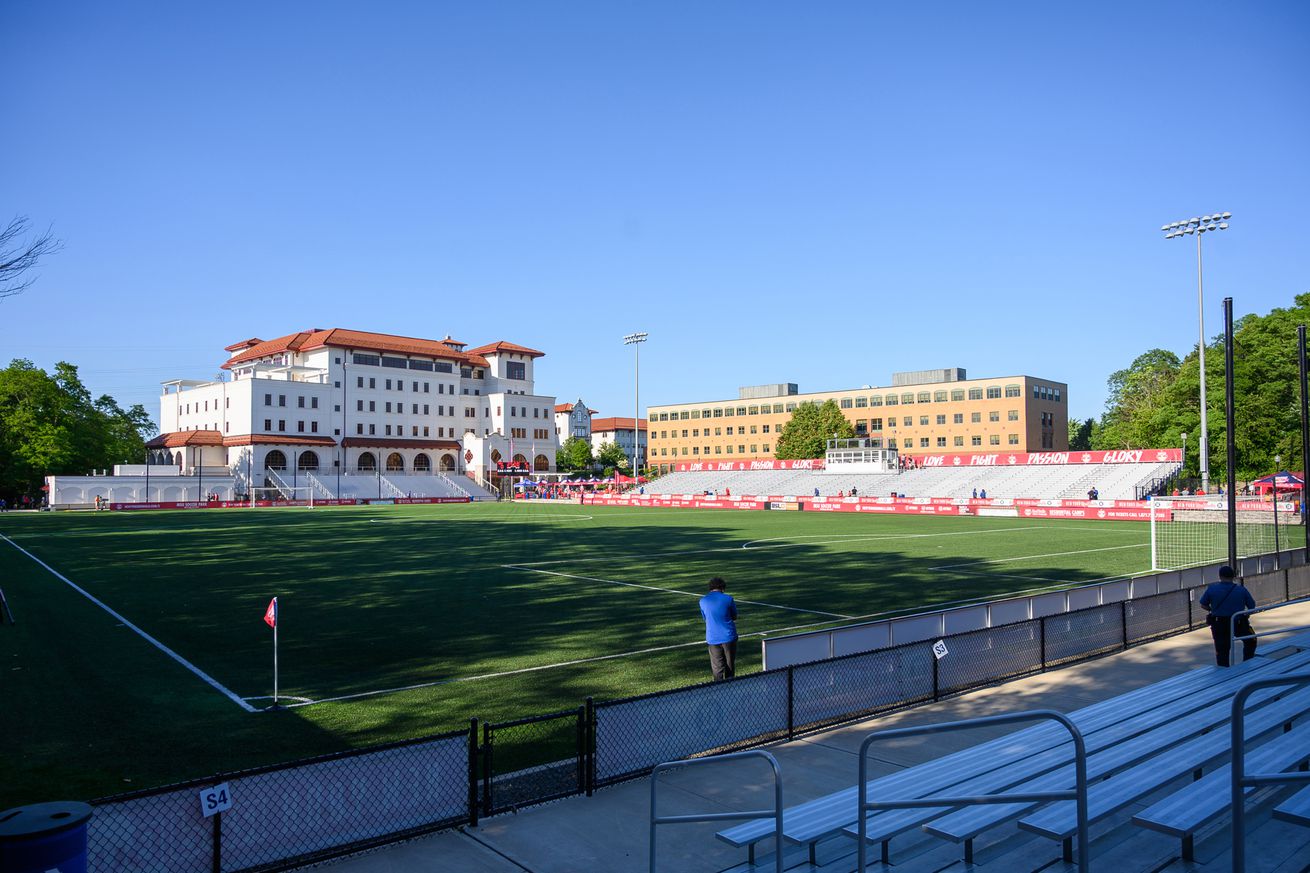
(1234, 639)
(775, 813)
(389, 487)
(319, 486)
(1240, 779)
(1078, 793)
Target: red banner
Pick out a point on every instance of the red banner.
(1030, 459)
(746, 466)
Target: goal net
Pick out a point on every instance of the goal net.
(1191, 531)
(300, 495)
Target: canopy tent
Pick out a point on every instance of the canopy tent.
(1280, 481)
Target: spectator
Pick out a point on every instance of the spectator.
(975, 494)
(720, 613)
(1222, 600)
(982, 495)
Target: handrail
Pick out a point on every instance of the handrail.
(1241, 781)
(390, 486)
(319, 486)
(453, 484)
(775, 813)
(1078, 793)
(1233, 639)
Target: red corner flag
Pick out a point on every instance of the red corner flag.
(270, 614)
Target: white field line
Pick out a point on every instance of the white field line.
(445, 521)
(818, 539)
(1039, 557)
(668, 590)
(537, 669)
(145, 636)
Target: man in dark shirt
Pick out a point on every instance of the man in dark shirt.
(1222, 600)
(720, 613)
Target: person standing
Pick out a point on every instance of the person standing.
(1222, 600)
(720, 613)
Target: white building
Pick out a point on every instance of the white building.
(619, 430)
(323, 401)
(573, 420)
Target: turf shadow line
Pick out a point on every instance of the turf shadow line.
(138, 631)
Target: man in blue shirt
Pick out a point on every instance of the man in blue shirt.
(720, 614)
(1222, 600)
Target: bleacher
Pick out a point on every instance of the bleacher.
(366, 485)
(1113, 481)
(1157, 758)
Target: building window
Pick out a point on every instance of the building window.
(359, 405)
(993, 392)
(875, 424)
(846, 403)
(313, 403)
(975, 394)
(268, 399)
(907, 399)
(313, 427)
(957, 418)
(301, 400)
(994, 415)
(994, 439)
(939, 397)
(359, 381)
(975, 417)
(281, 425)
(959, 440)
(923, 421)
(372, 382)
(875, 400)
(941, 442)
(282, 400)
(923, 442)
(359, 428)
(388, 430)
(957, 394)
(268, 424)
(891, 400)
(1013, 391)
(372, 406)
(300, 426)
(941, 419)
(975, 440)
(1013, 439)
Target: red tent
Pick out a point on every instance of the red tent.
(1282, 481)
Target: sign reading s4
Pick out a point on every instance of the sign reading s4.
(215, 799)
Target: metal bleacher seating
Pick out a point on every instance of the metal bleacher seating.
(1137, 745)
(1112, 481)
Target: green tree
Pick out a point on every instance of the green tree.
(1080, 434)
(574, 455)
(50, 425)
(611, 455)
(811, 425)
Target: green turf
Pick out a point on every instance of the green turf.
(377, 598)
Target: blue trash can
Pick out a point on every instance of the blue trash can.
(44, 837)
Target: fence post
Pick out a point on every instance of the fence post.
(791, 702)
(936, 695)
(218, 842)
(1123, 620)
(591, 746)
(582, 749)
(473, 772)
(487, 754)
(1041, 623)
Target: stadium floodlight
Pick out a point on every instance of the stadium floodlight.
(1200, 226)
(635, 340)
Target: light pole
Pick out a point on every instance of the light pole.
(635, 340)
(1182, 469)
(1198, 227)
(1278, 461)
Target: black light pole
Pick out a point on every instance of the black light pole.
(1305, 433)
(1232, 448)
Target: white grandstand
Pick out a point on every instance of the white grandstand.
(1065, 481)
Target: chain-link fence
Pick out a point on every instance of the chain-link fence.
(288, 815)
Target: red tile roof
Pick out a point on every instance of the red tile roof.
(186, 438)
(305, 340)
(616, 423)
(502, 346)
(278, 439)
(568, 407)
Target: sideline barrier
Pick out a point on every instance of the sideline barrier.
(246, 504)
(288, 815)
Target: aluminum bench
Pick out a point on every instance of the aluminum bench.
(1295, 809)
(1189, 809)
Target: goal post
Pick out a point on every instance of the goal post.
(298, 495)
(1193, 531)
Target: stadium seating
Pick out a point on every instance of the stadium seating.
(1112, 481)
(1138, 744)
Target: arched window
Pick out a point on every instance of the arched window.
(519, 459)
(541, 463)
(307, 461)
(177, 459)
(447, 463)
(395, 463)
(422, 463)
(275, 460)
(368, 462)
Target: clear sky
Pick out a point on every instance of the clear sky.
(820, 193)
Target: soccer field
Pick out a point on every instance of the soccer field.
(139, 655)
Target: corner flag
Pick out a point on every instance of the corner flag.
(270, 614)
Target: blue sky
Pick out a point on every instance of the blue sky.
(813, 193)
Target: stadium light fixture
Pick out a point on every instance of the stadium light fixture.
(1199, 226)
(635, 340)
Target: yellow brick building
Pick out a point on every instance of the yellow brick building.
(921, 413)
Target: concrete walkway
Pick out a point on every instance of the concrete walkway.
(608, 832)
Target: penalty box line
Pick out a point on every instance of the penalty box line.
(670, 590)
(138, 631)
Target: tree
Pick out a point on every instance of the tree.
(811, 426)
(50, 425)
(1080, 434)
(574, 455)
(612, 455)
(18, 258)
